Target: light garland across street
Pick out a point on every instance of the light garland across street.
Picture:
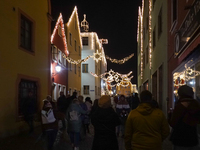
(115, 77)
(97, 57)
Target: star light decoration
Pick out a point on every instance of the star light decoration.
(97, 56)
(115, 78)
(185, 75)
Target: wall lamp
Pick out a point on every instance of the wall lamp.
(57, 71)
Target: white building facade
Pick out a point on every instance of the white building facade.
(91, 84)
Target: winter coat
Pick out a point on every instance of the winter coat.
(185, 118)
(146, 128)
(104, 121)
(62, 104)
(74, 117)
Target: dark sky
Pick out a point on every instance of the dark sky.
(112, 20)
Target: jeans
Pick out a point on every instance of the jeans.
(51, 137)
(75, 137)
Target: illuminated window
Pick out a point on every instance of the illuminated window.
(75, 68)
(85, 41)
(59, 31)
(84, 68)
(86, 89)
(26, 29)
(54, 52)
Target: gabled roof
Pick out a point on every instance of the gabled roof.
(75, 12)
(60, 21)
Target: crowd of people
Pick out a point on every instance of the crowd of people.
(138, 120)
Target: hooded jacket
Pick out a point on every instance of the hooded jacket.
(146, 128)
(185, 118)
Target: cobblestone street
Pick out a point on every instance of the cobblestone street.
(35, 142)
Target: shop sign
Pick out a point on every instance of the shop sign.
(189, 28)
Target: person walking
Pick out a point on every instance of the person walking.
(104, 119)
(88, 103)
(49, 123)
(146, 126)
(74, 122)
(62, 108)
(29, 109)
(184, 120)
(122, 109)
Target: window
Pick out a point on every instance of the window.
(85, 41)
(79, 71)
(64, 61)
(26, 28)
(24, 87)
(59, 56)
(95, 90)
(70, 39)
(139, 68)
(75, 45)
(154, 2)
(147, 55)
(144, 33)
(59, 31)
(54, 52)
(85, 68)
(154, 37)
(79, 50)
(86, 89)
(160, 23)
(99, 91)
(75, 68)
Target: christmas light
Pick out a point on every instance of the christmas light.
(150, 33)
(70, 60)
(75, 11)
(180, 78)
(97, 56)
(60, 21)
(122, 61)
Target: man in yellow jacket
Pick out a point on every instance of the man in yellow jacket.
(146, 126)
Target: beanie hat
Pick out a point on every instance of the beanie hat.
(185, 91)
(104, 101)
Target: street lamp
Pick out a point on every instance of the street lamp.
(57, 70)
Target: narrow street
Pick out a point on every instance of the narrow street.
(36, 142)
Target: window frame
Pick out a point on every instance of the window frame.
(85, 68)
(160, 24)
(84, 41)
(85, 90)
(21, 15)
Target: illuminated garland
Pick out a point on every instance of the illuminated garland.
(185, 75)
(70, 60)
(60, 20)
(150, 34)
(97, 57)
(112, 76)
(122, 61)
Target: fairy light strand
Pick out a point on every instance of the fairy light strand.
(122, 61)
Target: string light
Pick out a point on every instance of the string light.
(70, 60)
(75, 11)
(122, 61)
(111, 76)
(97, 56)
(60, 21)
(185, 75)
(150, 33)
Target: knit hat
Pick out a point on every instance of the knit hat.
(185, 91)
(104, 101)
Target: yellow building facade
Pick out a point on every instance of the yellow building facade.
(24, 59)
(74, 45)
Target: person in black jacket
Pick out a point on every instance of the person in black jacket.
(185, 118)
(104, 119)
(62, 108)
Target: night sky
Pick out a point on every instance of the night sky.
(112, 20)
